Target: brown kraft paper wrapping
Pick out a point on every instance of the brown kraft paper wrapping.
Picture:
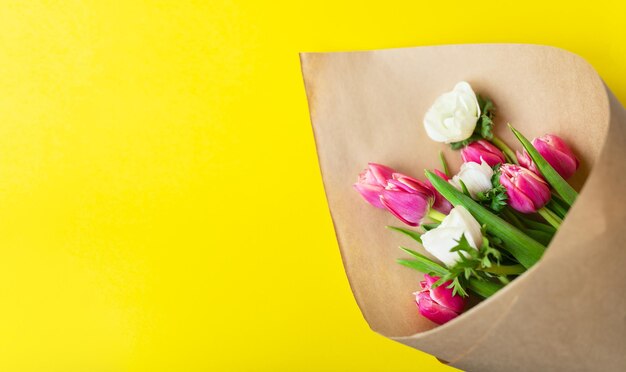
(568, 313)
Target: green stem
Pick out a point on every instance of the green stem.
(505, 149)
(526, 250)
(552, 219)
(535, 225)
(513, 219)
(436, 215)
(556, 208)
(444, 164)
(505, 269)
(504, 280)
(558, 200)
(484, 289)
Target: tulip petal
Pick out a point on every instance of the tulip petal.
(567, 192)
(443, 295)
(380, 173)
(432, 310)
(408, 208)
(370, 193)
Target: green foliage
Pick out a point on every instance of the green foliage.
(495, 198)
(444, 164)
(472, 264)
(410, 233)
(422, 263)
(526, 250)
(467, 274)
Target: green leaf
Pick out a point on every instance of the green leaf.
(487, 112)
(444, 164)
(459, 145)
(525, 249)
(483, 288)
(494, 199)
(557, 208)
(566, 191)
(413, 234)
(464, 188)
(430, 226)
(536, 225)
(420, 266)
(429, 266)
(540, 236)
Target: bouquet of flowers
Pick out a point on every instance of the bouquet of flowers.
(512, 248)
(486, 224)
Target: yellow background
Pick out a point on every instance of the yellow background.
(161, 208)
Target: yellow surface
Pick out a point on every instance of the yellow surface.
(161, 204)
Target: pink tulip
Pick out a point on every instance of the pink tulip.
(484, 150)
(408, 199)
(526, 191)
(372, 181)
(525, 161)
(557, 154)
(438, 304)
(405, 197)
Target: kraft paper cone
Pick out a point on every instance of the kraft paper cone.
(569, 311)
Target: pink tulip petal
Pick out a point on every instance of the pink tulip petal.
(408, 208)
(440, 174)
(443, 296)
(440, 203)
(482, 150)
(412, 185)
(526, 191)
(557, 154)
(432, 310)
(380, 173)
(370, 193)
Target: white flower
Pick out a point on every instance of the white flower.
(446, 236)
(476, 177)
(453, 116)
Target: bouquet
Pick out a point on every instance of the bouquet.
(488, 223)
(511, 236)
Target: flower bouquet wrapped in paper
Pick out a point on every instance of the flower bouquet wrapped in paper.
(511, 251)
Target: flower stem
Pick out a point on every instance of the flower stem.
(505, 149)
(556, 208)
(513, 219)
(436, 215)
(505, 269)
(549, 216)
(484, 289)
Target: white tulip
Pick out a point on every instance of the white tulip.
(446, 236)
(453, 116)
(476, 177)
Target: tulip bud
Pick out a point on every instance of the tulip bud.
(406, 198)
(372, 181)
(557, 154)
(438, 304)
(526, 191)
(482, 150)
